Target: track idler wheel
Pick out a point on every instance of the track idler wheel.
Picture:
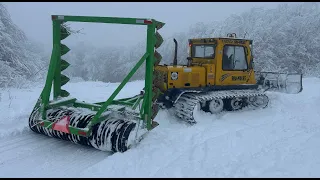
(259, 101)
(115, 135)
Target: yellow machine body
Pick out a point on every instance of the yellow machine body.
(207, 66)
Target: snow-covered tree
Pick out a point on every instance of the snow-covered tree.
(20, 60)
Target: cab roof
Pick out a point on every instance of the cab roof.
(213, 40)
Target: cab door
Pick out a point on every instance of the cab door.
(233, 64)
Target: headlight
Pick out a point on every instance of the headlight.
(174, 75)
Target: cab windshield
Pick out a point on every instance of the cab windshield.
(203, 51)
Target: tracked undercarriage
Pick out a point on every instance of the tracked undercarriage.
(188, 102)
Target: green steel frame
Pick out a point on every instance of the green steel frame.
(55, 80)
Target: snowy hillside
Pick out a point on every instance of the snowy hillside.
(279, 141)
(20, 58)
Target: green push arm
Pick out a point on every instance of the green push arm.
(115, 93)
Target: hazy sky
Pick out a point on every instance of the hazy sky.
(35, 18)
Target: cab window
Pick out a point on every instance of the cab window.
(234, 58)
(203, 51)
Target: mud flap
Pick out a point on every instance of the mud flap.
(290, 83)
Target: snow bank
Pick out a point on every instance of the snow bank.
(15, 108)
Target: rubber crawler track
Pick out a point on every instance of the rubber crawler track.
(186, 104)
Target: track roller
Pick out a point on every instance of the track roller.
(234, 104)
(215, 106)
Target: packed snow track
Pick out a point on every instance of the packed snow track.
(279, 141)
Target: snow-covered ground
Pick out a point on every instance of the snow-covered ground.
(279, 141)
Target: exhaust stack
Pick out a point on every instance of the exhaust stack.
(175, 60)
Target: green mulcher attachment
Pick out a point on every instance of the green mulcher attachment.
(113, 125)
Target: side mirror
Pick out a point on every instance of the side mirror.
(251, 64)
